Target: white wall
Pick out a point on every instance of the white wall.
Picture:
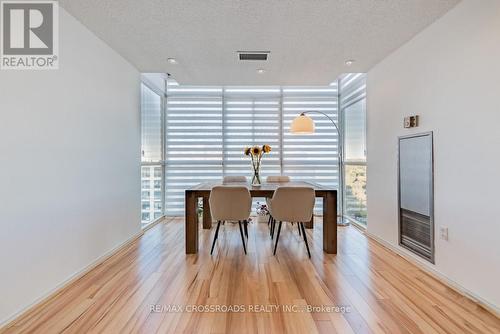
(69, 166)
(449, 74)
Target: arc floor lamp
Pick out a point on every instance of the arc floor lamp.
(304, 124)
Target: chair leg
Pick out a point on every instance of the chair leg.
(273, 228)
(215, 237)
(305, 238)
(277, 237)
(298, 227)
(269, 221)
(245, 225)
(242, 237)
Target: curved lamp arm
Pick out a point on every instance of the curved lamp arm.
(322, 113)
(333, 122)
(340, 162)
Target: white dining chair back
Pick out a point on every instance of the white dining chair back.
(278, 178)
(230, 203)
(293, 204)
(237, 178)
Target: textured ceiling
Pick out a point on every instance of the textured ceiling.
(309, 40)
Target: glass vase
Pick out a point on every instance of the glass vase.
(256, 176)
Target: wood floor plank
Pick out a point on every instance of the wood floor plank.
(152, 286)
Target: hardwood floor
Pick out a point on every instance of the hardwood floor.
(383, 292)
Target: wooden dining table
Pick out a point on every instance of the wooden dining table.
(202, 190)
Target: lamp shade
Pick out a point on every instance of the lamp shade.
(302, 124)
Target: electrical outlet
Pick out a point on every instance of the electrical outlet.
(443, 231)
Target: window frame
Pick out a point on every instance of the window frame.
(359, 93)
(341, 140)
(160, 163)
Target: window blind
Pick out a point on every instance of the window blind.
(311, 157)
(150, 125)
(208, 127)
(352, 88)
(355, 131)
(353, 105)
(193, 141)
(251, 117)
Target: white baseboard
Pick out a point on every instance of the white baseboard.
(154, 223)
(426, 267)
(4, 323)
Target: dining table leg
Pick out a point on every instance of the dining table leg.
(207, 216)
(191, 222)
(310, 224)
(330, 222)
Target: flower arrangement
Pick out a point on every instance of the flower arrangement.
(256, 153)
(262, 212)
(262, 209)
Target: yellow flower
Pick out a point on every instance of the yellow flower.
(247, 151)
(256, 150)
(266, 148)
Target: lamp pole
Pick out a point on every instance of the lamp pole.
(340, 164)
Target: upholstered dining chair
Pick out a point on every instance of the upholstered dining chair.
(230, 203)
(230, 179)
(292, 204)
